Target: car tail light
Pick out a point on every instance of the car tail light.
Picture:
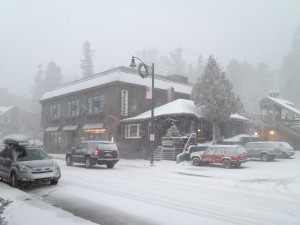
(95, 152)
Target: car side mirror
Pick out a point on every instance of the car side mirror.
(50, 156)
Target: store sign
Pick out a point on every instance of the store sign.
(95, 131)
(124, 103)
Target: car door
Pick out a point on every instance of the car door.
(82, 151)
(208, 154)
(257, 148)
(2, 163)
(249, 149)
(219, 154)
(76, 153)
(7, 162)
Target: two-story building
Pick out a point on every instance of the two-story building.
(91, 108)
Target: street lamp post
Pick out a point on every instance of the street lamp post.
(144, 71)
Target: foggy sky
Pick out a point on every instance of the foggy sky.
(37, 32)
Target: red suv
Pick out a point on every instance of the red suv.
(227, 155)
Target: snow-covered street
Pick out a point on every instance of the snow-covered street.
(168, 193)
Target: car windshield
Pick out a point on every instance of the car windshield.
(283, 144)
(107, 146)
(30, 154)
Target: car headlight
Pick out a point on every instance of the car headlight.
(22, 168)
(55, 165)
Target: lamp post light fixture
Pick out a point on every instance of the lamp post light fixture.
(144, 71)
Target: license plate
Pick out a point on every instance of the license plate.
(108, 154)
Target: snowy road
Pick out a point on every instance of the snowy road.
(258, 193)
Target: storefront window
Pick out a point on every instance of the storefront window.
(132, 131)
(55, 111)
(73, 108)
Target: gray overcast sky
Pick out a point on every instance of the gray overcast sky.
(37, 32)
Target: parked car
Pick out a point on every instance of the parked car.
(266, 151)
(227, 155)
(21, 162)
(94, 152)
(185, 155)
(286, 150)
(240, 139)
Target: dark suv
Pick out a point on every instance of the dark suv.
(94, 152)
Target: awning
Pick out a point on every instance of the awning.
(51, 129)
(93, 126)
(70, 127)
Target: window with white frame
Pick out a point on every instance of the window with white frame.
(54, 111)
(96, 104)
(90, 105)
(133, 104)
(132, 131)
(73, 108)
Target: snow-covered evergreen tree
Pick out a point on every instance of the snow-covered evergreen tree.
(173, 131)
(213, 95)
(87, 61)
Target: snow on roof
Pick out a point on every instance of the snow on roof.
(121, 74)
(238, 117)
(237, 137)
(285, 104)
(4, 109)
(179, 106)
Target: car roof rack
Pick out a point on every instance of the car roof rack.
(15, 141)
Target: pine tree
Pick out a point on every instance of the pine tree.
(38, 88)
(176, 63)
(53, 77)
(87, 61)
(173, 131)
(213, 95)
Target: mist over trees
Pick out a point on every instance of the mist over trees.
(289, 73)
(252, 83)
(45, 81)
(87, 61)
(53, 76)
(38, 88)
(213, 95)
(176, 62)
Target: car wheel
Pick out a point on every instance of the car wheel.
(14, 180)
(53, 182)
(88, 162)
(69, 160)
(110, 165)
(284, 155)
(265, 157)
(196, 161)
(226, 163)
